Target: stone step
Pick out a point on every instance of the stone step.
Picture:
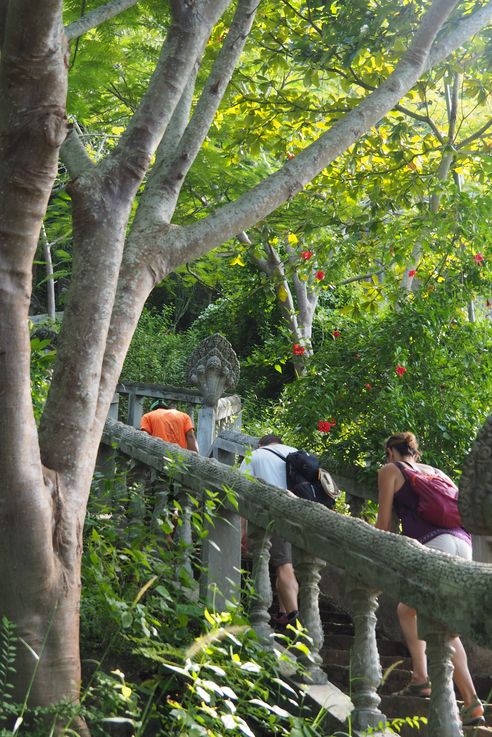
(339, 673)
(338, 641)
(342, 657)
(338, 628)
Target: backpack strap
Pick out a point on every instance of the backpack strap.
(270, 450)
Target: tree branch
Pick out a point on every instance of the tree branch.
(168, 176)
(97, 16)
(473, 136)
(257, 203)
(459, 35)
(74, 154)
(184, 43)
(361, 277)
(452, 106)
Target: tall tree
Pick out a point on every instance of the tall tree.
(118, 257)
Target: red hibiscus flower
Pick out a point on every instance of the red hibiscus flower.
(306, 255)
(478, 258)
(368, 387)
(325, 426)
(298, 350)
(336, 333)
(320, 275)
(412, 272)
(400, 370)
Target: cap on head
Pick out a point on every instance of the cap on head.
(158, 404)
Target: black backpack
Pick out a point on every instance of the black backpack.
(303, 476)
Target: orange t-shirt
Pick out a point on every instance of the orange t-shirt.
(169, 424)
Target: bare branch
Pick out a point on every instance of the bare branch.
(97, 16)
(168, 176)
(452, 105)
(361, 277)
(406, 111)
(473, 136)
(74, 155)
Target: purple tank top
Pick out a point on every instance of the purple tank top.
(405, 504)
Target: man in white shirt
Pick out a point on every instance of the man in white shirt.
(264, 464)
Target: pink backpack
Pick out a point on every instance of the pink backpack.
(437, 497)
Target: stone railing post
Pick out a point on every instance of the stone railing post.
(308, 569)
(365, 666)
(443, 716)
(182, 532)
(135, 409)
(213, 367)
(261, 543)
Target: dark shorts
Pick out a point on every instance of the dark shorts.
(280, 552)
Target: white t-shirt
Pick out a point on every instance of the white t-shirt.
(265, 465)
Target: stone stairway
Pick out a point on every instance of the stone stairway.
(396, 665)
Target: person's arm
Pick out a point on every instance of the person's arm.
(145, 424)
(387, 478)
(191, 443)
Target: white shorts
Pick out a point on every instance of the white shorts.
(452, 545)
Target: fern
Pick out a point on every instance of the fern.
(7, 660)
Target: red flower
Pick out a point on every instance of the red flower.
(298, 350)
(412, 272)
(368, 387)
(336, 333)
(325, 426)
(478, 258)
(306, 255)
(400, 370)
(320, 275)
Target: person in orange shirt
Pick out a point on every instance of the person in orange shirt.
(169, 424)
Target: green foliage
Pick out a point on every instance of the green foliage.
(42, 360)
(443, 393)
(162, 661)
(158, 353)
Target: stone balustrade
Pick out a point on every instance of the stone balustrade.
(374, 561)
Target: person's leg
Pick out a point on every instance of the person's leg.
(416, 647)
(287, 588)
(463, 679)
(286, 584)
(473, 708)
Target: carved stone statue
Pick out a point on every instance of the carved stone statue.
(213, 367)
(475, 499)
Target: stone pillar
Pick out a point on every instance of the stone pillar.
(213, 367)
(355, 504)
(263, 596)
(221, 558)
(307, 569)
(135, 409)
(443, 716)
(182, 533)
(365, 667)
